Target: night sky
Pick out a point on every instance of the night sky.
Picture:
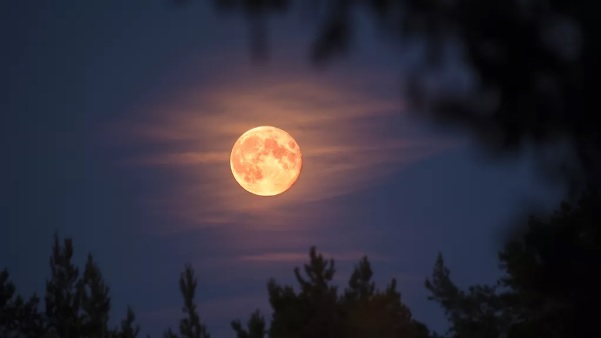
(116, 123)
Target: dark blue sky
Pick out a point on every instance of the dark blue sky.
(116, 119)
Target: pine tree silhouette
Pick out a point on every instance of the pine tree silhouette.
(190, 326)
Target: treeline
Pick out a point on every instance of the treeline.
(550, 288)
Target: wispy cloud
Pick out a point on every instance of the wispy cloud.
(351, 137)
(296, 257)
(186, 158)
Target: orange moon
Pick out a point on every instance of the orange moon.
(266, 161)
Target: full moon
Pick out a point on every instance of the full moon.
(266, 161)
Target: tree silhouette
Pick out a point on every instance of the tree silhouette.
(128, 328)
(313, 312)
(479, 312)
(316, 310)
(373, 313)
(553, 270)
(79, 306)
(550, 285)
(75, 306)
(62, 301)
(551, 281)
(18, 317)
(360, 285)
(255, 327)
(190, 326)
(95, 301)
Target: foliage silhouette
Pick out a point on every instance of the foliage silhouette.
(255, 327)
(317, 310)
(16, 315)
(550, 287)
(62, 303)
(533, 67)
(95, 301)
(189, 326)
(128, 328)
(75, 305)
(78, 305)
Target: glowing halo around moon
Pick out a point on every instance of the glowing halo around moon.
(266, 161)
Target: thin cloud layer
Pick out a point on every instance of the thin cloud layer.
(351, 136)
(302, 257)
